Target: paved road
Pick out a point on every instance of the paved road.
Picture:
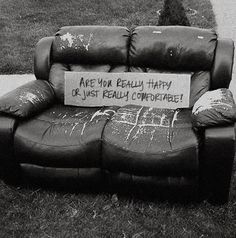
(225, 11)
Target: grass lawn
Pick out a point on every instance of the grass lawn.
(33, 212)
(23, 23)
(204, 17)
(40, 213)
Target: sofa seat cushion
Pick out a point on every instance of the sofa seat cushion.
(150, 141)
(63, 136)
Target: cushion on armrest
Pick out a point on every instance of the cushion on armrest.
(28, 99)
(214, 108)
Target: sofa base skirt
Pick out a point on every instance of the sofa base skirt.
(98, 180)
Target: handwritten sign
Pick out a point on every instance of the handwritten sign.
(146, 89)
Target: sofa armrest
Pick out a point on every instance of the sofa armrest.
(9, 168)
(28, 99)
(42, 55)
(216, 162)
(221, 73)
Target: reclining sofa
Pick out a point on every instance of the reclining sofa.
(41, 139)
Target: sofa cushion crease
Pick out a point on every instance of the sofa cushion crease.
(65, 135)
(143, 140)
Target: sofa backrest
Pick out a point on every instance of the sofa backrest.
(153, 49)
(91, 45)
(159, 47)
(87, 49)
(176, 49)
(172, 48)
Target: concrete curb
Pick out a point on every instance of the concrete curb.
(10, 82)
(226, 28)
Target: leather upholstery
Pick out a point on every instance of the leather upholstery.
(91, 45)
(200, 81)
(9, 167)
(150, 141)
(71, 177)
(128, 147)
(28, 99)
(216, 162)
(223, 64)
(57, 81)
(200, 84)
(214, 108)
(63, 136)
(42, 60)
(172, 48)
(95, 178)
(7, 128)
(57, 71)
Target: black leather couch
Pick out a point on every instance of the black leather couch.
(41, 139)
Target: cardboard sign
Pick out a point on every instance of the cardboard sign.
(158, 90)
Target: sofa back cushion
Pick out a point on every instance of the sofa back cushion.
(172, 48)
(200, 81)
(91, 45)
(57, 74)
(146, 49)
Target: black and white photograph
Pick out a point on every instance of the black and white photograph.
(117, 119)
